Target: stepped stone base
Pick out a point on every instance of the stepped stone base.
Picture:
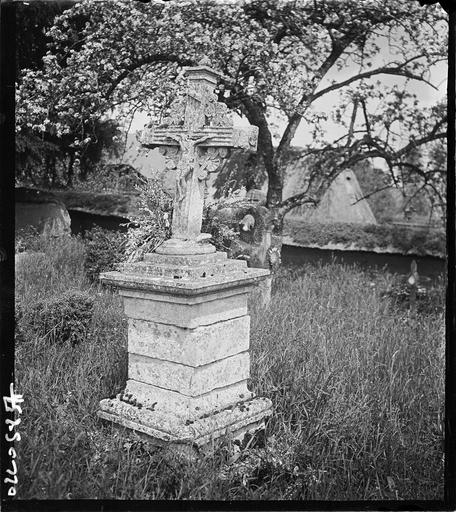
(181, 247)
(166, 428)
(188, 349)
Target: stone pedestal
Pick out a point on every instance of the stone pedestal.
(188, 349)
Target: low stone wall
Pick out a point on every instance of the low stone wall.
(287, 240)
(41, 210)
(381, 238)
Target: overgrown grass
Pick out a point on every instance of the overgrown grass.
(356, 383)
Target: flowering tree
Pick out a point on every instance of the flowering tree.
(277, 57)
(44, 157)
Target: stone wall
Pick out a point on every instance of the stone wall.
(41, 210)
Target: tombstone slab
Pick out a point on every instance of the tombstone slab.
(188, 326)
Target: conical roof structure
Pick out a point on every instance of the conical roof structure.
(342, 202)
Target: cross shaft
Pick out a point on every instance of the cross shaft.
(195, 137)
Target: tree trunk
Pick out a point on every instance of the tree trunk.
(70, 170)
(52, 171)
(266, 251)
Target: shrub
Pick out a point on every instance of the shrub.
(104, 249)
(151, 226)
(62, 318)
(223, 235)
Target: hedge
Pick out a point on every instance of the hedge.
(389, 237)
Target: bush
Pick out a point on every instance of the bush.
(104, 249)
(62, 318)
(151, 226)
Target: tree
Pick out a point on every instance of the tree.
(42, 158)
(33, 21)
(277, 57)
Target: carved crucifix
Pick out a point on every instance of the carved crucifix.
(195, 137)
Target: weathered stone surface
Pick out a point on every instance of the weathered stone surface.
(159, 399)
(190, 247)
(183, 271)
(195, 287)
(193, 347)
(189, 380)
(167, 428)
(190, 315)
(201, 322)
(195, 138)
(121, 205)
(186, 260)
(186, 303)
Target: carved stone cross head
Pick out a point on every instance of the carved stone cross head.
(195, 137)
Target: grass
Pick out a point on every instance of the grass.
(356, 382)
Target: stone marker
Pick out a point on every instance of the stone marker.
(188, 327)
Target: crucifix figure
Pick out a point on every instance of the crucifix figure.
(195, 137)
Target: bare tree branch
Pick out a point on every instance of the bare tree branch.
(398, 70)
(295, 201)
(352, 122)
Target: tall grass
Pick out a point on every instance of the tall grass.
(356, 384)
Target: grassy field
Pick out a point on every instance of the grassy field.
(356, 382)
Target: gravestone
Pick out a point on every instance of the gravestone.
(188, 327)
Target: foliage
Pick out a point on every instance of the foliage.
(278, 58)
(242, 170)
(50, 161)
(223, 233)
(407, 201)
(357, 389)
(26, 239)
(42, 158)
(112, 178)
(33, 21)
(33, 160)
(104, 250)
(402, 239)
(151, 225)
(427, 299)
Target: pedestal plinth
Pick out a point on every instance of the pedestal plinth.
(188, 349)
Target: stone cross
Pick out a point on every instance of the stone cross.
(194, 138)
